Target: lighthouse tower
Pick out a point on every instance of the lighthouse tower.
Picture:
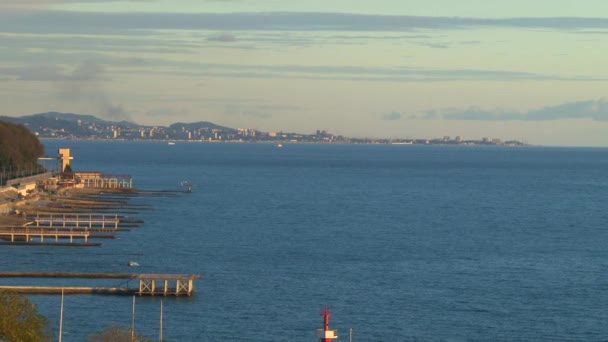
(326, 335)
(63, 159)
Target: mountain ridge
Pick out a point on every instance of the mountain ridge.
(54, 124)
(88, 118)
(85, 126)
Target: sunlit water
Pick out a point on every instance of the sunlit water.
(403, 243)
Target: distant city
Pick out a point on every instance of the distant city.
(77, 126)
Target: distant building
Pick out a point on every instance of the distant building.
(95, 179)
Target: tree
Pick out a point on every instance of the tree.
(68, 169)
(20, 320)
(116, 334)
(19, 151)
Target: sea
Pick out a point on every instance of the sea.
(400, 242)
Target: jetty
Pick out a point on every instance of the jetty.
(77, 220)
(26, 234)
(150, 284)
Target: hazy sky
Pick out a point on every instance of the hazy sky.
(526, 70)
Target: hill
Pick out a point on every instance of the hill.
(69, 125)
(19, 150)
(78, 126)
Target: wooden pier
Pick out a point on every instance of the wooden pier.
(78, 220)
(150, 284)
(26, 233)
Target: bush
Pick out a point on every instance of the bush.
(116, 334)
(20, 321)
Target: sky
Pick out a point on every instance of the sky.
(532, 71)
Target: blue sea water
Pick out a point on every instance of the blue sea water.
(403, 243)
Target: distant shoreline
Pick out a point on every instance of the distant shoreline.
(371, 142)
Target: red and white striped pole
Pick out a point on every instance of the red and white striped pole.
(325, 334)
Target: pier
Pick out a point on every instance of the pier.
(77, 220)
(150, 284)
(25, 234)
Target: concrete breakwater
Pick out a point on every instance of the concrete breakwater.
(149, 284)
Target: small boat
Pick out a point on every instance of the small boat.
(133, 264)
(279, 145)
(171, 143)
(187, 186)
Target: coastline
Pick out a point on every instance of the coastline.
(370, 141)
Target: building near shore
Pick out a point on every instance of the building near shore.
(63, 158)
(87, 179)
(96, 179)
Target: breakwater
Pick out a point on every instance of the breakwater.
(149, 284)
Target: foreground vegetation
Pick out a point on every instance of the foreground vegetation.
(21, 322)
(19, 151)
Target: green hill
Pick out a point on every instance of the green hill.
(19, 151)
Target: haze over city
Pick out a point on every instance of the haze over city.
(531, 71)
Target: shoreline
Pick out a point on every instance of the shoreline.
(396, 142)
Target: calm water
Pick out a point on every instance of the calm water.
(403, 243)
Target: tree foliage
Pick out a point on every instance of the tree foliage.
(19, 148)
(116, 334)
(20, 321)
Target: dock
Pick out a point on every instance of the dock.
(43, 228)
(150, 284)
(76, 219)
(26, 234)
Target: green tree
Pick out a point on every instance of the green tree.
(19, 151)
(20, 321)
(116, 334)
(68, 169)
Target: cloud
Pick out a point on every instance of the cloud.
(254, 111)
(260, 111)
(87, 71)
(35, 73)
(84, 86)
(392, 116)
(224, 37)
(97, 22)
(167, 112)
(435, 45)
(591, 109)
(94, 70)
(34, 5)
(84, 72)
(48, 49)
(357, 73)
